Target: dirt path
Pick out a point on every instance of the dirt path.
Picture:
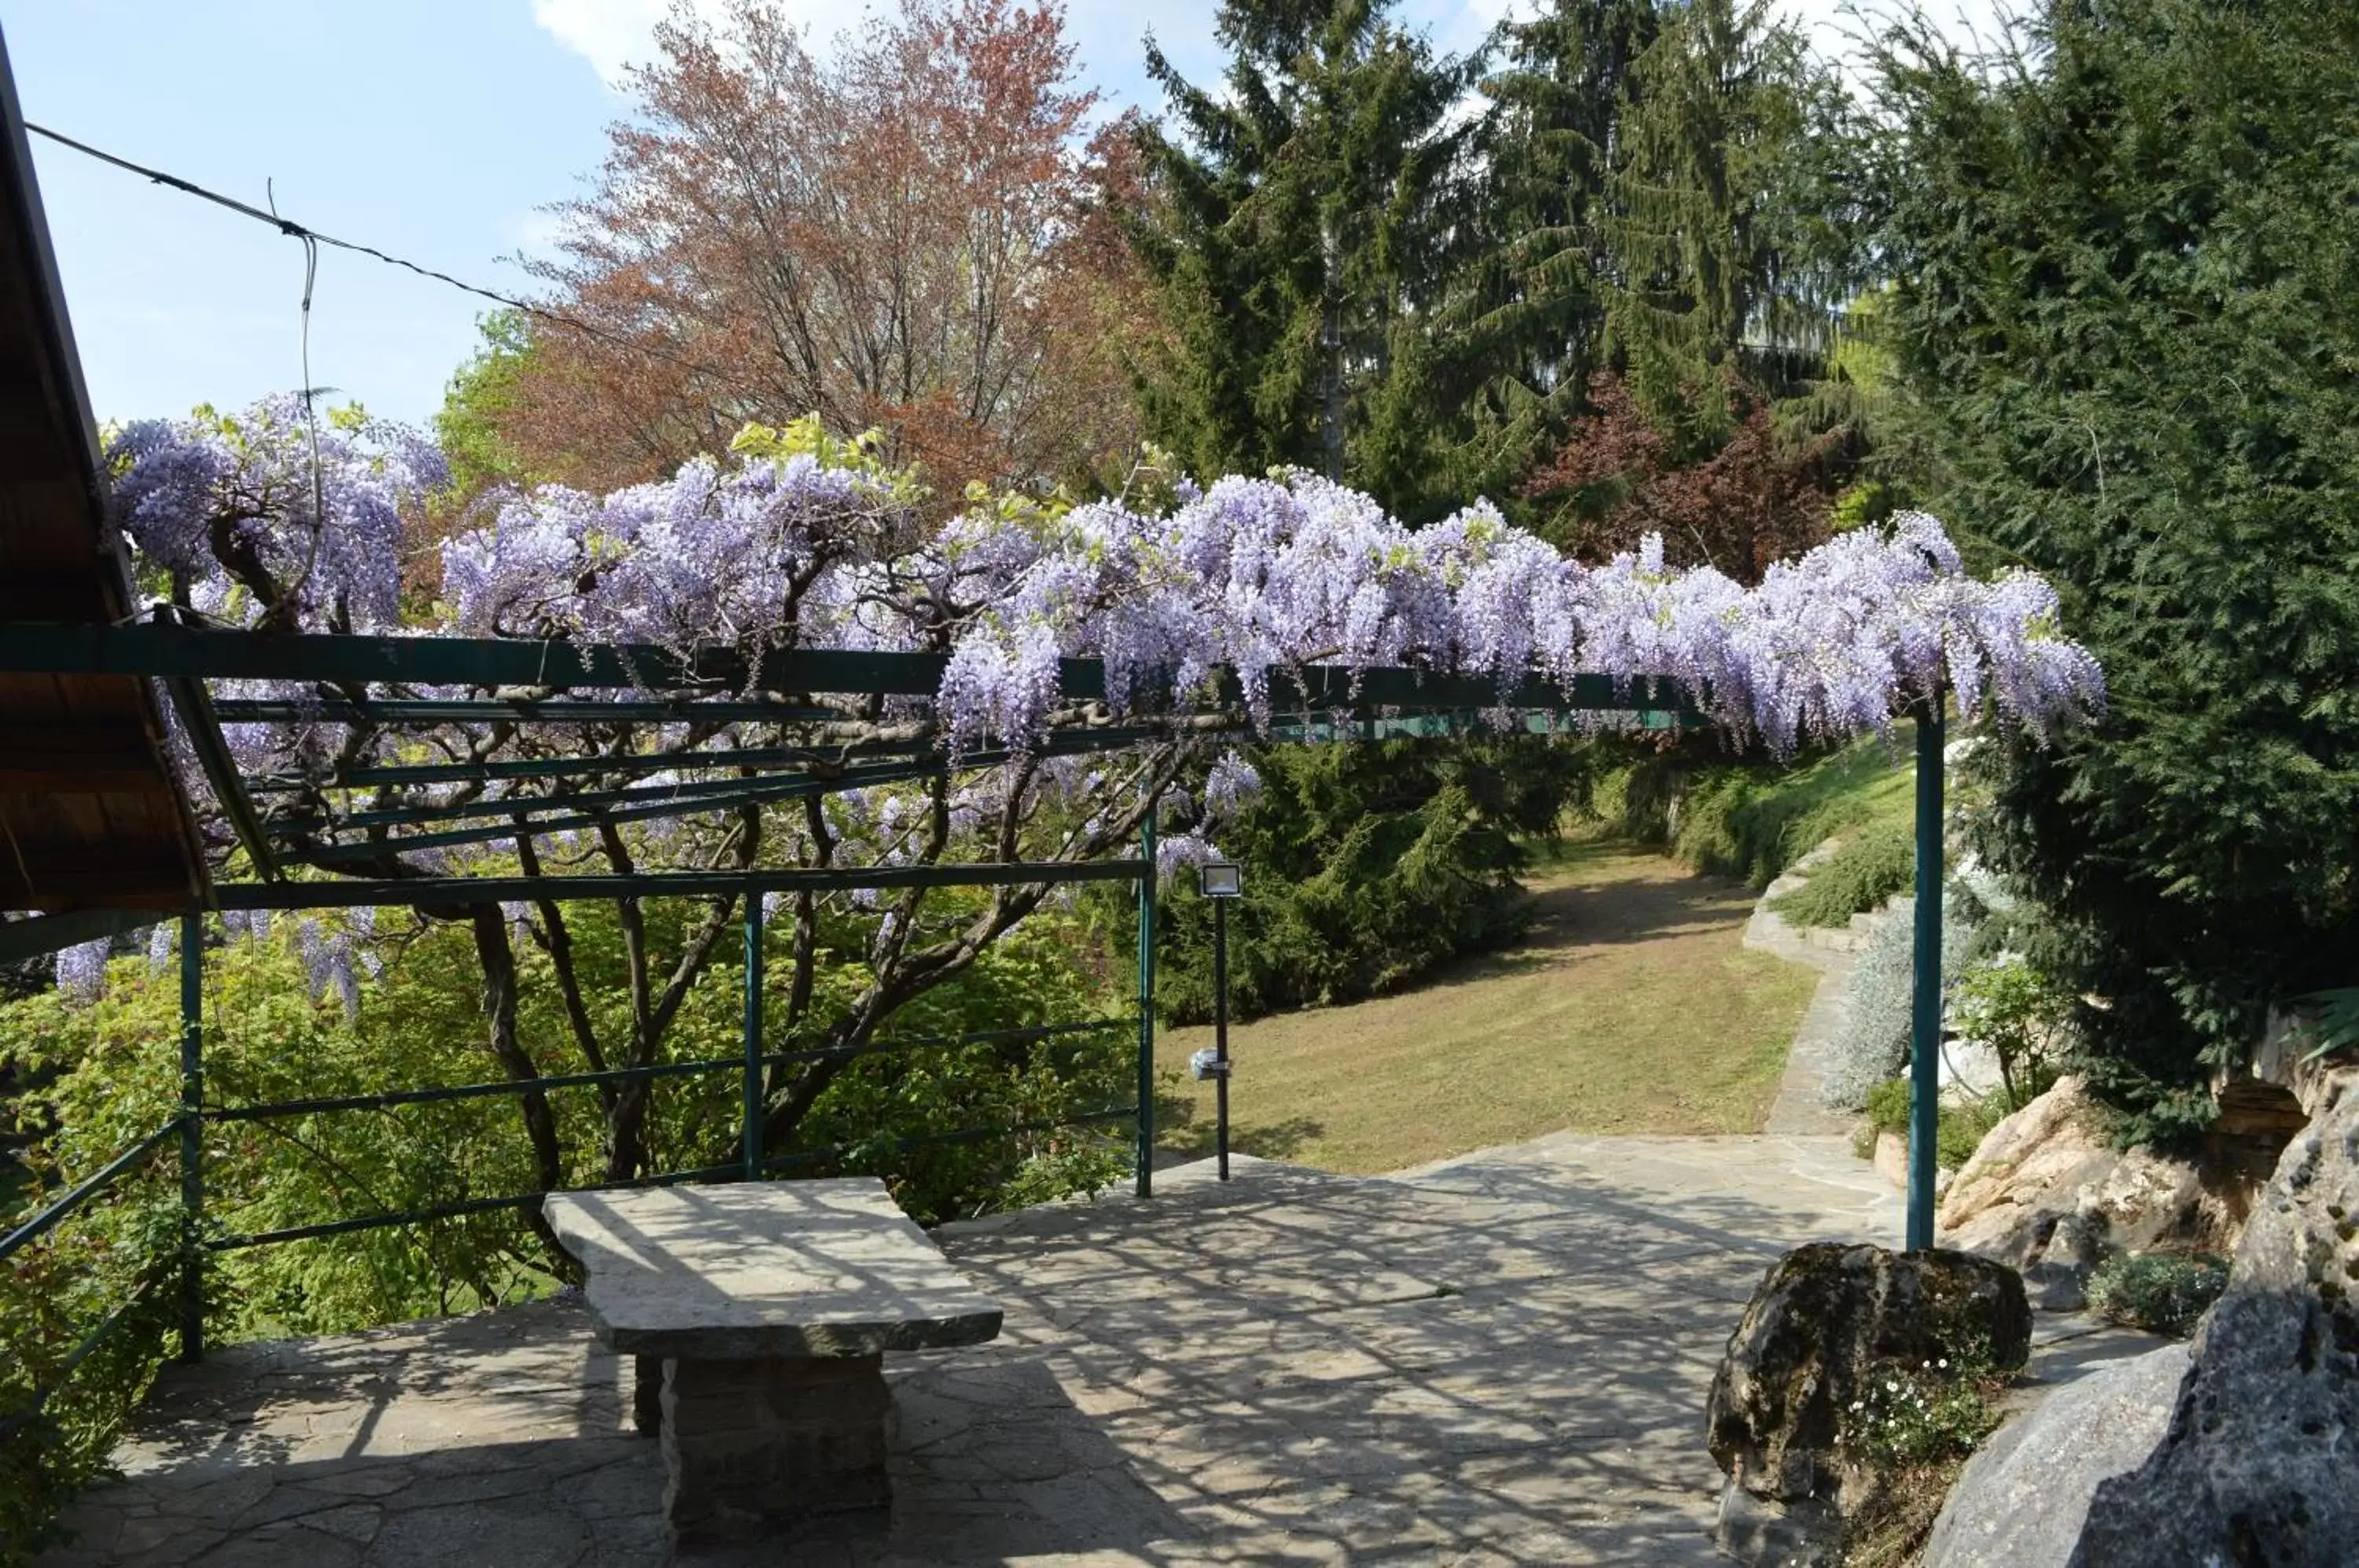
(1630, 1008)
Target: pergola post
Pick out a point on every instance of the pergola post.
(750, 1148)
(1144, 1182)
(1925, 1013)
(192, 1138)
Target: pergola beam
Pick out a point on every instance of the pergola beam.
(494, 663)
(444, 891)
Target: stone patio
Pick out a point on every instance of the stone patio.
(1502, 1359)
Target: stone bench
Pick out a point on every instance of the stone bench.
(767, 1307)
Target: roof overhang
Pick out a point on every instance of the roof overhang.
(93, 814)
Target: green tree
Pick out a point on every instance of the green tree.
(2127, 262)
(1299, 231)
(1533, 299)
(482, 396)
(1727, 217)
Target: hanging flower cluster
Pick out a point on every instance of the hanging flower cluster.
(1263, 576)
(816, 546)
(802, 541)
(254, 532)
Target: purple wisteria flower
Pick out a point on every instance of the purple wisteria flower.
(81, 971)
(1225, 593)
(1257, 576)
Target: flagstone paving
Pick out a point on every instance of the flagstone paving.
(1500, 1359)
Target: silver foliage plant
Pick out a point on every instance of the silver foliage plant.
(1872, 1046)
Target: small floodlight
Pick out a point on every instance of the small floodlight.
(1221, 879)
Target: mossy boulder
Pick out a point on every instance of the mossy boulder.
(1826, 1320)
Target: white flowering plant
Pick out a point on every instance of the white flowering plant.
(1909, 1414)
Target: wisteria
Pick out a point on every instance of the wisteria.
(800, 541)
(1259, 576)
(1262, 577)
(81, 970)
(253, 531)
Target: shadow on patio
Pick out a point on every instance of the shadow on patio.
(1499, 1361)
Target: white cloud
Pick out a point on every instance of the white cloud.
(612, 34)
(609, 34)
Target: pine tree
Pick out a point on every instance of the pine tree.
(1300, 232)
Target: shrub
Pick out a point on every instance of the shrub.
(1887, 1111)
(1873, 1041)
(2163, 1292)
(1749, 819)
(2006, 1003)
(1869, 867)
(1367, 867)
(1964, 1125)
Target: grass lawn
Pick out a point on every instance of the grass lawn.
(1630, 1008)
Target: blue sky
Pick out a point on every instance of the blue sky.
(437, 130)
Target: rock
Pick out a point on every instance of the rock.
(2021, 1500)
(1892, 1159)
(2057, 1275)
(2051, 1162)
(1822, 1323)
(2288, 1057)
(2256, 1468)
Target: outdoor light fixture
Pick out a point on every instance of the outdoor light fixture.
(1218, 880)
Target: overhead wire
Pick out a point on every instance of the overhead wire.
(311, 409)
(313, 237)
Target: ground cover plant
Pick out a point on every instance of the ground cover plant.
(1874, 862)
(1913, 1431)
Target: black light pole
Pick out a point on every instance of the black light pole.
(1221, 881)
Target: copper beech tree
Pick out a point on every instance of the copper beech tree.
(905, 231)
(1737, 506)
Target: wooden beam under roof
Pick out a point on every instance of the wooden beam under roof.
(92, 811)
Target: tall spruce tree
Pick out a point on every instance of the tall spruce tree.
(1300, 231)
(1726, 217)
(2127, 311)
(1533, 299)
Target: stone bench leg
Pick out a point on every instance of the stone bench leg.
(646, 1394)
(747, 1443)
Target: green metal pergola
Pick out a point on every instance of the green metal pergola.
(833, 703)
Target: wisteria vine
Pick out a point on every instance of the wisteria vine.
(796, 542)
